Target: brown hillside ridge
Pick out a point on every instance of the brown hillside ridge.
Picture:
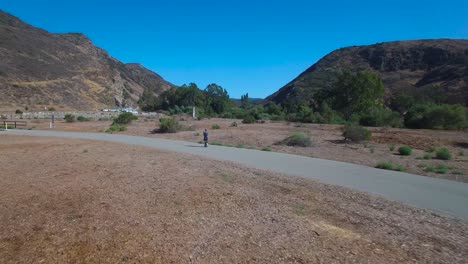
(402, 65)
(65, 71)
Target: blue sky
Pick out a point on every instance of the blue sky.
(244, 46)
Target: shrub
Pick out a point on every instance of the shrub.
(427, 156)
(116, 128)
(51, 109)
(168, 125)
(297, 139)
(234, 124)
(356, 133)
(433, 116)
(240, 146)
(215, 126)
(391, 147)
(125, 119)
(443, 154)
(400, 168)
(431, 150)
(390, 166)
(405, 151)
(83, 119)
(249, 119)
(384, 166)
(266, 149)
(18, 112)
(69, 118)
(381, 117)
(440, 169)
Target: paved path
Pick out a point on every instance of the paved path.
(440, 195)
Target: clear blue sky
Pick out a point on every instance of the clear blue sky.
(244, 46)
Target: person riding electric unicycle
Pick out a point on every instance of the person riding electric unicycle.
(205, 137)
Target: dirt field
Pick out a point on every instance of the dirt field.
(327, 142)
(76, 201)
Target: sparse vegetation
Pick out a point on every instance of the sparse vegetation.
(234, 124)
(18, 112)
(443, 154)
(240, 146)
(297, 139)
(391, 147)
(356, 133)
(267, 149)
(299, 209)
(51, 109)
(405, 150)
(69, 118)
(215, 126)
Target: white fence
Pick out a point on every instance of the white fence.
(60, 115)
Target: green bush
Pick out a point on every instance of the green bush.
(249, 119)
(297, 139)
(405, 151)
(266, 149)
(83, 119)
(427, 156)
(69, 118)
(116, 128)
(391, 147)
(390, 166)
(18, 112)
(215, 126)
(431, 116)
(356, 133)
(168, 125)
(384, 166)
(443, 154)
(440, 169)
(124, 119)
(381, 117)
(400, 168)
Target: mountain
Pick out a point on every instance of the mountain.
(403, 65)
(66, 71)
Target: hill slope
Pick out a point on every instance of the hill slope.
(65, 71)
(401, 65)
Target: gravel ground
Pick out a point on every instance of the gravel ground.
(77, 201)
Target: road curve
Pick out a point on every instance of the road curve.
(444, 196)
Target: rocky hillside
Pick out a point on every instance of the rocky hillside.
(65, 71)
(417, 65)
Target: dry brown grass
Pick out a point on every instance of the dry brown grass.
(76, 201)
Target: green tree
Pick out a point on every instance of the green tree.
(245, 102)
(356, 93)
(216, 99)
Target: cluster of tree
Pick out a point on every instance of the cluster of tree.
(352, 98)
(213, 100)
